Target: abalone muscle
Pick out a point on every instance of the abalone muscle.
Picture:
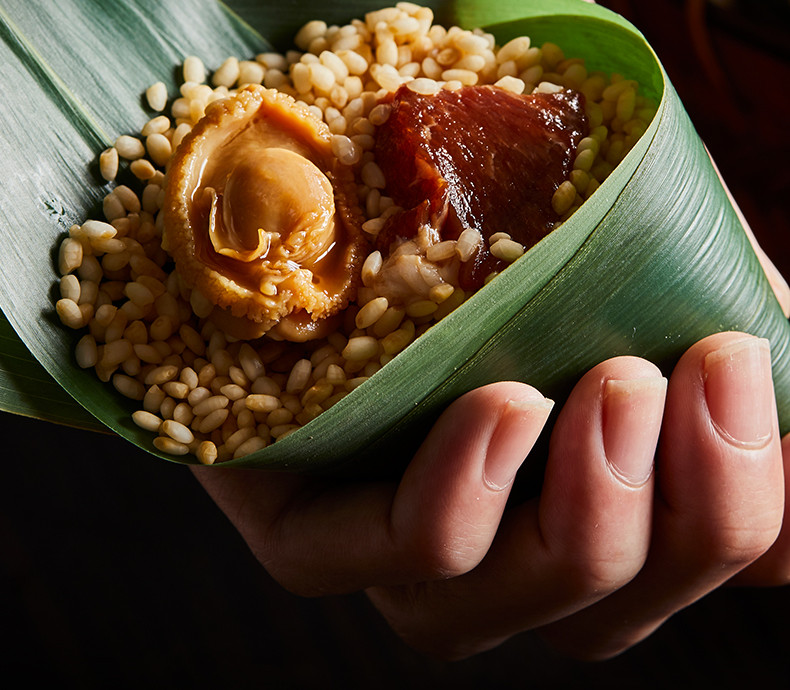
(262, 219)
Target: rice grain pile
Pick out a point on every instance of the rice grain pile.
(203, 393)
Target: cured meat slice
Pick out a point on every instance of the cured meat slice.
(478, 157)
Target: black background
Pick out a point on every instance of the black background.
(116, 570)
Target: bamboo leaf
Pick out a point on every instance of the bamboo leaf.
(27, 389)
(655, 260)
(79, 93)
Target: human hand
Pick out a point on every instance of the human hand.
(607, 541)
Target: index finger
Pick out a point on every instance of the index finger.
(321, 536)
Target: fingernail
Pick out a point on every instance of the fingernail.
(740, 403)
(632, 413)
(506, 449)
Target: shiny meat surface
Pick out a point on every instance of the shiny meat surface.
(478, 157)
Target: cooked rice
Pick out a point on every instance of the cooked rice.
(216, 398)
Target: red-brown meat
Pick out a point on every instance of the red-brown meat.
(478, 157)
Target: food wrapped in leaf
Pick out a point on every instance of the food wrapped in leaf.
(622, 270)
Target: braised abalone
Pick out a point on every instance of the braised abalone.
(262, 219)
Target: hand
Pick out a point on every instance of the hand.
(607, 541)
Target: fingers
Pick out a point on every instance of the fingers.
(587, 536)
(451, 498)
(603, 557)
(325, 537)
(595, 508)
(719, 494)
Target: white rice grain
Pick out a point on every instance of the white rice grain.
(156, 96)
(129, 147)
(193, 70)
(108, 164)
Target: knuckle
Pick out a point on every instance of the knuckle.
(737, 545)
(289, 570)
(437, 555)
(289, 578)
(444, 561)
(415, 614)
(450, 650)
(586, 650)
(605, 644)
(444, 646)
(307, 582)
(597, 575)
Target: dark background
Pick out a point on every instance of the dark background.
(116, 570)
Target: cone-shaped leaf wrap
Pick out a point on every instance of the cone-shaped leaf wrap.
(654, 261)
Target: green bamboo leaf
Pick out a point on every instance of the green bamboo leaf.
(27, 389)
(655, 260)
(78, 93)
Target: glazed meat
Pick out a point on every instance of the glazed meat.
(478, 157)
